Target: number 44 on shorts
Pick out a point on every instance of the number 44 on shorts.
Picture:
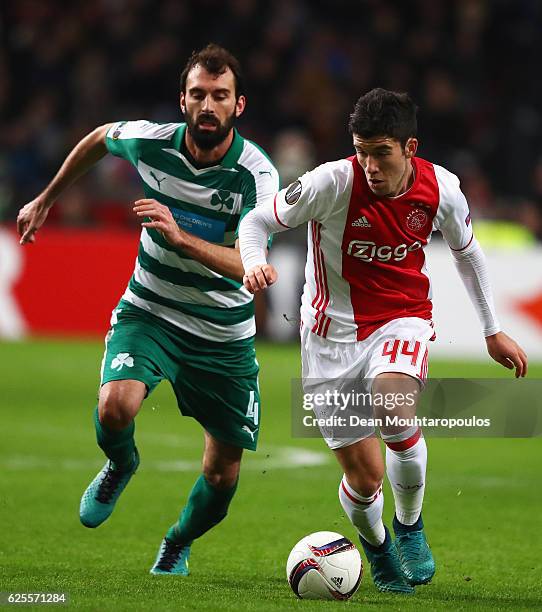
(391, 350)
(253, 408)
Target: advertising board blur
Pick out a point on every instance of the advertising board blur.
(69, 281)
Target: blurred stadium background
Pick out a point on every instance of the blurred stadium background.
(472, 66)
(469, 64)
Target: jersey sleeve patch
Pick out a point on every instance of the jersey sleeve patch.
(119, 144)
(293, 193)
(116, 130)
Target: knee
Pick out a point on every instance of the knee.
(221, 478)
(366, 483)
(116, 411)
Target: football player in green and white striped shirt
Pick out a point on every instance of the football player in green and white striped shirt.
(185, 315)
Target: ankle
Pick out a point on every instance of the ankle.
(127, 465)
(400, 527)
(174, 537)
(367, 546)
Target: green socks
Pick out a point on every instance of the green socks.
(206, 507)
(118, 446)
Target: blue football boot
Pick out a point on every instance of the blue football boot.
(417, 563)
(385, 567)
(99, 499)
(172, 559)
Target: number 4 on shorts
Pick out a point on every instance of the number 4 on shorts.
(392, 350)
(252, 411)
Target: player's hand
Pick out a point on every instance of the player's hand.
(30, 218)
(161, 220)
(260, 277)
(507, 352)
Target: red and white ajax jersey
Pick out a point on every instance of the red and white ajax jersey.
(366, 253)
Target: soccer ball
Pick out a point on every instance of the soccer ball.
(324, 565)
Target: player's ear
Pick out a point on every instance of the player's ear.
(411, 147)
(182, 103)
(240, 105)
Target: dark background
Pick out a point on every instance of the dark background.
(472, 66)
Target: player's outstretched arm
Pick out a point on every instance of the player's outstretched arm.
(224, 260)
(472, 268)
(470, 262)
(507, 352)
(83, 156)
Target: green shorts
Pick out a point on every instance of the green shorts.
(214, 382)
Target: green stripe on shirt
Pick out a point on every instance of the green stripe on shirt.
(186, 279)
(219, 316)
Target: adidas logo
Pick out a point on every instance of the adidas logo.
(361, 222)
(337, 581)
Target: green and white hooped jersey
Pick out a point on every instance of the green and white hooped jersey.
(208, 203)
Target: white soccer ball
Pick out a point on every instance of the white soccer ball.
(324, 565)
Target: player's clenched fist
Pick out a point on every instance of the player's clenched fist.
(161, 219)
(260, 277)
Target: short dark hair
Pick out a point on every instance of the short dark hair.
(384, 113)
(216, 60)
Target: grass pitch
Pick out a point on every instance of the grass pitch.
(482, 509)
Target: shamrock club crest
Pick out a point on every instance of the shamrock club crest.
(221, 199)
(121, 360)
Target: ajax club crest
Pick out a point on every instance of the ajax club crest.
(416, 220)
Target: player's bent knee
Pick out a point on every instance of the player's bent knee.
(118, 405)
(114, 415)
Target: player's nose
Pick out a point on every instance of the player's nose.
(208, 104)
(371, 165)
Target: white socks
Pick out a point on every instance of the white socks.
(406, 463)
(364, 512)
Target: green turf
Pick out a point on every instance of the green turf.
(482, 507)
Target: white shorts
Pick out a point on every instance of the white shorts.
(397, 346)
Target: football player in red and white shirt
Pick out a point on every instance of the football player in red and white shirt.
(366, 308)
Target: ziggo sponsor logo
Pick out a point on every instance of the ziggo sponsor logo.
(368, 251)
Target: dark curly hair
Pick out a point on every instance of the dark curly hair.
(216, 60)
(384, 113)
